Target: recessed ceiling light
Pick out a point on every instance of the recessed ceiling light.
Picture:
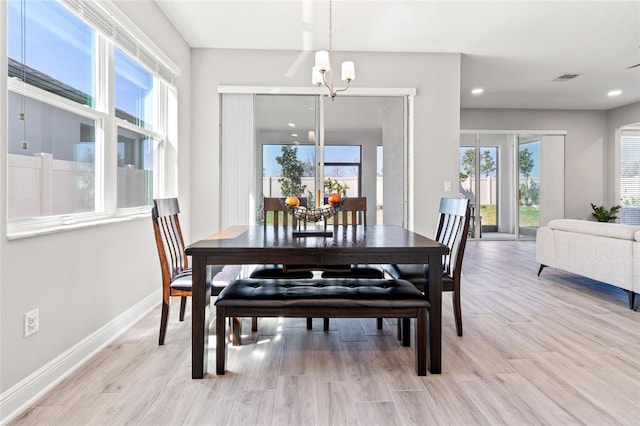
(292, 125)
(295, 135)
(614, 93)
(477, 91)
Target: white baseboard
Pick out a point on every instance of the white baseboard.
(20, 396)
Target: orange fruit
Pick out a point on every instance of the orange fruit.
(334, 199)
(292, 201)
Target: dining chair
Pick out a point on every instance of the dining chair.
(275, 214)
(174, 263)
(452, 231)
(353, 212)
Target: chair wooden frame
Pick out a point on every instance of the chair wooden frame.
(174, 263)
(273, 205)
(352, 209)
(452, 231)
(280, 217)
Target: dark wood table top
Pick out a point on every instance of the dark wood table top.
(350, 244)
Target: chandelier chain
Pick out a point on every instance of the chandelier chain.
(330, 26)
(323, 72)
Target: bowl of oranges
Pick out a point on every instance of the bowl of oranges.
(292, 205)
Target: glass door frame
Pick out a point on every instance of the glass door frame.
(516, 171)
(407, 93)
(520, 142)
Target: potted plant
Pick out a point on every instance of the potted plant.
(604, 215)
(332, 186)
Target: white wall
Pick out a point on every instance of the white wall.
(585, 147)
(81, 280)
(435, 76)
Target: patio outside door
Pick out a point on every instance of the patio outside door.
(528, 185)
(301, 140)
(485, 181)
(514, 180)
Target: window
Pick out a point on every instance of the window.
(65, 139)
(342, 163)
(134, 91)
(136, 152)
(135, 101)
(51, 167)
(49, 39)
(630, 177)
(288, 169)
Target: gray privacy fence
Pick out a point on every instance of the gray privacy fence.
(40, 185)
(271, 186)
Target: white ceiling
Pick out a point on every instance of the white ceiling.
(513, 49)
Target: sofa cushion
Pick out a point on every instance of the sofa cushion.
(638, 236)
(601, 229)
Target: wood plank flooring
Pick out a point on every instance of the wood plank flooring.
(558, 350)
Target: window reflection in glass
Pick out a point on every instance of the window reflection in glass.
(135, 168)
(58, 50)
(342, 164)
(134, 91)
(51, 166)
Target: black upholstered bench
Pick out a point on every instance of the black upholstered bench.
(331, 297)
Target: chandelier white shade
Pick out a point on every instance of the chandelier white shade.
(322, 71)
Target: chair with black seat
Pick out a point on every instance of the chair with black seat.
(174, 263)
(275, 213)
(353, 212)
(452, 231)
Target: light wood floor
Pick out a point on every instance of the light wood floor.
(557, 350)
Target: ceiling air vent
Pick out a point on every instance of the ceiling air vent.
(565, 77)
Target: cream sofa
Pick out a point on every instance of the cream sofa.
(607, 252)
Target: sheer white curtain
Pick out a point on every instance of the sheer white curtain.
(238, 192)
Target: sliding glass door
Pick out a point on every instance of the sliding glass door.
(303, 140)
(286, 129)
(485, 181)
(528, 185)
(515, 182)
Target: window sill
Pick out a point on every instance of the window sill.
(72, 226)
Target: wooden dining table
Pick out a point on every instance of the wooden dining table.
(373, 244)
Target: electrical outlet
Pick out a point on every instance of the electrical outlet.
(447, 186)
(31, 322)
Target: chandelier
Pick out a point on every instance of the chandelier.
(324, 65)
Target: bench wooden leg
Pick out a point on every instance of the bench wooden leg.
(379, 323)
(254, 323)
(326, 324)
(236, 331)
(221, 340)
(405, 331)
(309, 323)
(421, 342)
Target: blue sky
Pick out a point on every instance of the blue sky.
(61, 46)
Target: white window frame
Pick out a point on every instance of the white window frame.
(106, 124)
